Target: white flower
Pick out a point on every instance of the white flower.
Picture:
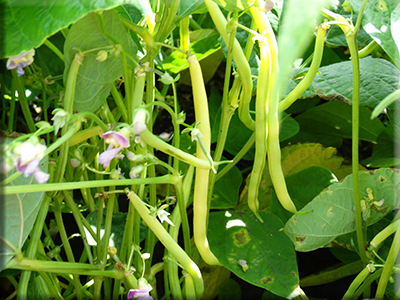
(59, 119)
(20, 61)
(142, 293)
(163, 216)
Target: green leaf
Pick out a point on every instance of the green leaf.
(333, 210)
(117, 228)
(187, 7)
(95, 78)
(37, 288)
(19, 213)
(237, 5)
(267, 251)
(378, 78)
(377, 23)
(303, 186)
(50, 63)
(226, 190)
(27, 24)
(333, 118)
(383, 154)
(203, 48)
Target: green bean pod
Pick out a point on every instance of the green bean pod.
(273, 146)
(261, 131)
(200, 207)
(241, 62)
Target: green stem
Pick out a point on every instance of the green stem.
(33, 245)
(64, 268)
(367, 50)
(23, 101)
(237, 157)
(66, 244)
(68, 107)
(78, 219)
(384, 234)
(53, 48)
(332, 275)
(356, 283)
(385, 103)
(351, 41)
(120, 103)
(157, 143)
(388, 268)
(89, 184)
(228, 107)
(169, 243)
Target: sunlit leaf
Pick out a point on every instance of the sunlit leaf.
(333, 210)
(95, 78)
(47, 16)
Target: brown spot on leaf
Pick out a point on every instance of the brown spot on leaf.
(300, 239)
(293, 274)
(330, 211)
(267, 280)
(241, 237)
(382, 179)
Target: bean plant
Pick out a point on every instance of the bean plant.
(183, 149)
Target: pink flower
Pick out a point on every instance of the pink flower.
(20, 61)
(33, 167)
(142, 293)
(106, 157)
(27, 157)
(117, 140)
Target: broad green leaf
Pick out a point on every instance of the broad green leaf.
(95, 78)
(378, 78)
(226, 190)
(177, 62)
(333, 118)
(333, 210)
(117, 228)
(187, 7)
(267, 251)
(48, 61)
(377, 22)
(37, 288)
(19, 213)
(237, 5)
(27, 23)
(295, 32)
(383, 154)
(302, 186)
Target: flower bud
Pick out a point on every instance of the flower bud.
(101, 56)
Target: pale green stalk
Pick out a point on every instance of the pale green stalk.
(89, 184)
(169, 243)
